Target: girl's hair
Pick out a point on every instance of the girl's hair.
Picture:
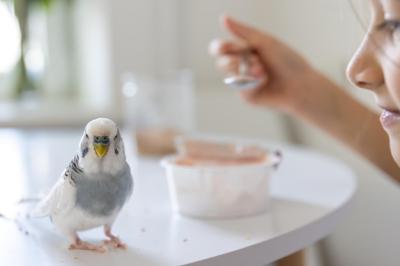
(362, 11)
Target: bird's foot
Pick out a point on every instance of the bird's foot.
(115, 242)
(82, 245)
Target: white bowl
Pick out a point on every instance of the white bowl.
(222, 191)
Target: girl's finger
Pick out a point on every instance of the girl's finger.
(228, 64)
(250, 35)
(219, 47)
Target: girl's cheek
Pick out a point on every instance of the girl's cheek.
(390, 63)
(393, 84)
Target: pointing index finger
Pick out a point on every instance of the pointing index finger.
(253, 37)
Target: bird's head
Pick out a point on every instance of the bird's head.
(100, 133)
(102, 144)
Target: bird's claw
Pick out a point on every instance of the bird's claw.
(81, 245)
(115, 242)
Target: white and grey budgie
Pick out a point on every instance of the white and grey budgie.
(92, 189)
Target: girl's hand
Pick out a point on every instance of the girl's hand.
(292, 85)
(290, 81)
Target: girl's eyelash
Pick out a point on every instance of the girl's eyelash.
(389, 24)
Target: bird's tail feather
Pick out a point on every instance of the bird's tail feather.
(42, 209)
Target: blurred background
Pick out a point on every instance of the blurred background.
(145, 64)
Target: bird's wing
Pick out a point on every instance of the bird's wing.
(62, 196)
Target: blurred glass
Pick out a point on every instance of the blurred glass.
(158, 108)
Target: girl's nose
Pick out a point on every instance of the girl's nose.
(364, 71)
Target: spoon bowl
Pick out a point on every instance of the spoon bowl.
(242, 82)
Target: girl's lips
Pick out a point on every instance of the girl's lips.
(389, 118)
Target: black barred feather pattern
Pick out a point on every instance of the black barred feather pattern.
(84, 145)
(117, 141)
(74, 165)
(72, 169)
(85, 151)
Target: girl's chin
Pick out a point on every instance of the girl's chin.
(393, 131)
(395, 148)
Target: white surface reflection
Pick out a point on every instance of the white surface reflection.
(30, 163)
(12, 169)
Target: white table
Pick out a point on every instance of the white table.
(311, 194)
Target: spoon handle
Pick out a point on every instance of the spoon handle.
(244, 64)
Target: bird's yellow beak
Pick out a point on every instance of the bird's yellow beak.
(100, 149)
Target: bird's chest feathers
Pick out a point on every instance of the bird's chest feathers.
(101, 196)
(109, 164)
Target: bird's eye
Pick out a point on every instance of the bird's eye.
(87, 136)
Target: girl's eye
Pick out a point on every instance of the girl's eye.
(392, 27)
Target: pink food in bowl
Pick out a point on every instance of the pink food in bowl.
(221, 180)
(193, 161)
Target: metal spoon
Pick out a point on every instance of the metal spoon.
(243, 81)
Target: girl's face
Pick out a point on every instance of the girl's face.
(376, 66)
